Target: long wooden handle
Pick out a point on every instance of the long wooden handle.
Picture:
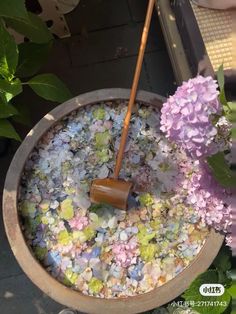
(134, 88)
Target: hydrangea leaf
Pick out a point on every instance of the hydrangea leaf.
(221, 83)
(8, 53)
(49, 87)
(95, 285)
(32, 27)
(66, 209)
(221, 170)
(193, 294)
(31, 58)
(7, 110)
(7, 130)
(221, 77)
(13, 8)
(223, 259)
(232, 290)
(11, 89)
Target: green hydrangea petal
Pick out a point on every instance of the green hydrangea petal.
(146, 199)
(102, 139)
(147, 252)
(144, 236)
(64, 237)
(103, 155)
(95, 285)
(99, 114)
(66, 209)
(71, 276)
(89, 233)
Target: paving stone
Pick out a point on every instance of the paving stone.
(115, 73)
(18, 295)
(159, 72)
(37, 106)
(138, 9)
(113, 43)
(59, 57)
(8, 264)
(92, 15)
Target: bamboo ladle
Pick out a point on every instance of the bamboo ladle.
(114, 191)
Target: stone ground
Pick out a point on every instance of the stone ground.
(101, 53)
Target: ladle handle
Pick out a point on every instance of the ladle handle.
(134, 88)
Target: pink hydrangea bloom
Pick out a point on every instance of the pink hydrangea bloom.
(125, 253)
(78, 222)
(231, 238)
(207, 198)
(187, 117)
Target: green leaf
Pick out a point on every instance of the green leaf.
(223, 259)
(13, 9)
(221, 83)
(31, 58)
(193, 294)
(221, 77)
(232, 290)
(11, 89)
(50, 87)
(232, 114)
(224, 278)
(23, 114)
(8, 53)
(221, 170)
(224, 102)
(7, 130)
(7, 110)
(234, 133)
(3, 98)
(33, 28)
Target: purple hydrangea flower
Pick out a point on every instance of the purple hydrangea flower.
(187, 117)
(208, 198)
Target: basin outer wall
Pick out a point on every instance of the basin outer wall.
(35, 271)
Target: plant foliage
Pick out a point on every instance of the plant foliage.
(23, 60)
(218, 164)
